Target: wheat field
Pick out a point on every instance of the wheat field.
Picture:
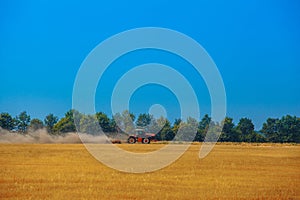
(230, 171)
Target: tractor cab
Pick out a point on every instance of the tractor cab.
(140, 132)
(140, 136)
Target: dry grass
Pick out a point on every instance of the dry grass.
(66, 171)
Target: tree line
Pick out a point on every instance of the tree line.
(280, 130)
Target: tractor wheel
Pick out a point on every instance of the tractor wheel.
(131, 140)
(146, 141)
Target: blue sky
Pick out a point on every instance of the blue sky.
(255, 44)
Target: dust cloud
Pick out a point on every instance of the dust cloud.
(41, 136)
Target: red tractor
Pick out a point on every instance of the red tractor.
(141, 136)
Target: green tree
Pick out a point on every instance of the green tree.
(149, 123)
(165, 132)
(64, 125)
(258, 137)
(22, 122)
(202, 128)
(228, 133)
(113, 126)
(187, 130)
(176, 126)
(213, 132)
(67, 124)
(50, 120)
(246, 128)
(235, 136)
(125, 121)
(104, 121)
(289, 129)
(168, 132)
(144, 120)
(89, 124)
(6, 121)
(271, 130)
(200, 135)
(118, 121)
(296, 135)
(157, 126)
(35, 124)
(286, 129)
(204, 123)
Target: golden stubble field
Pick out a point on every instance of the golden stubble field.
(230, 171)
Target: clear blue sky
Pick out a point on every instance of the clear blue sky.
(255, 44)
